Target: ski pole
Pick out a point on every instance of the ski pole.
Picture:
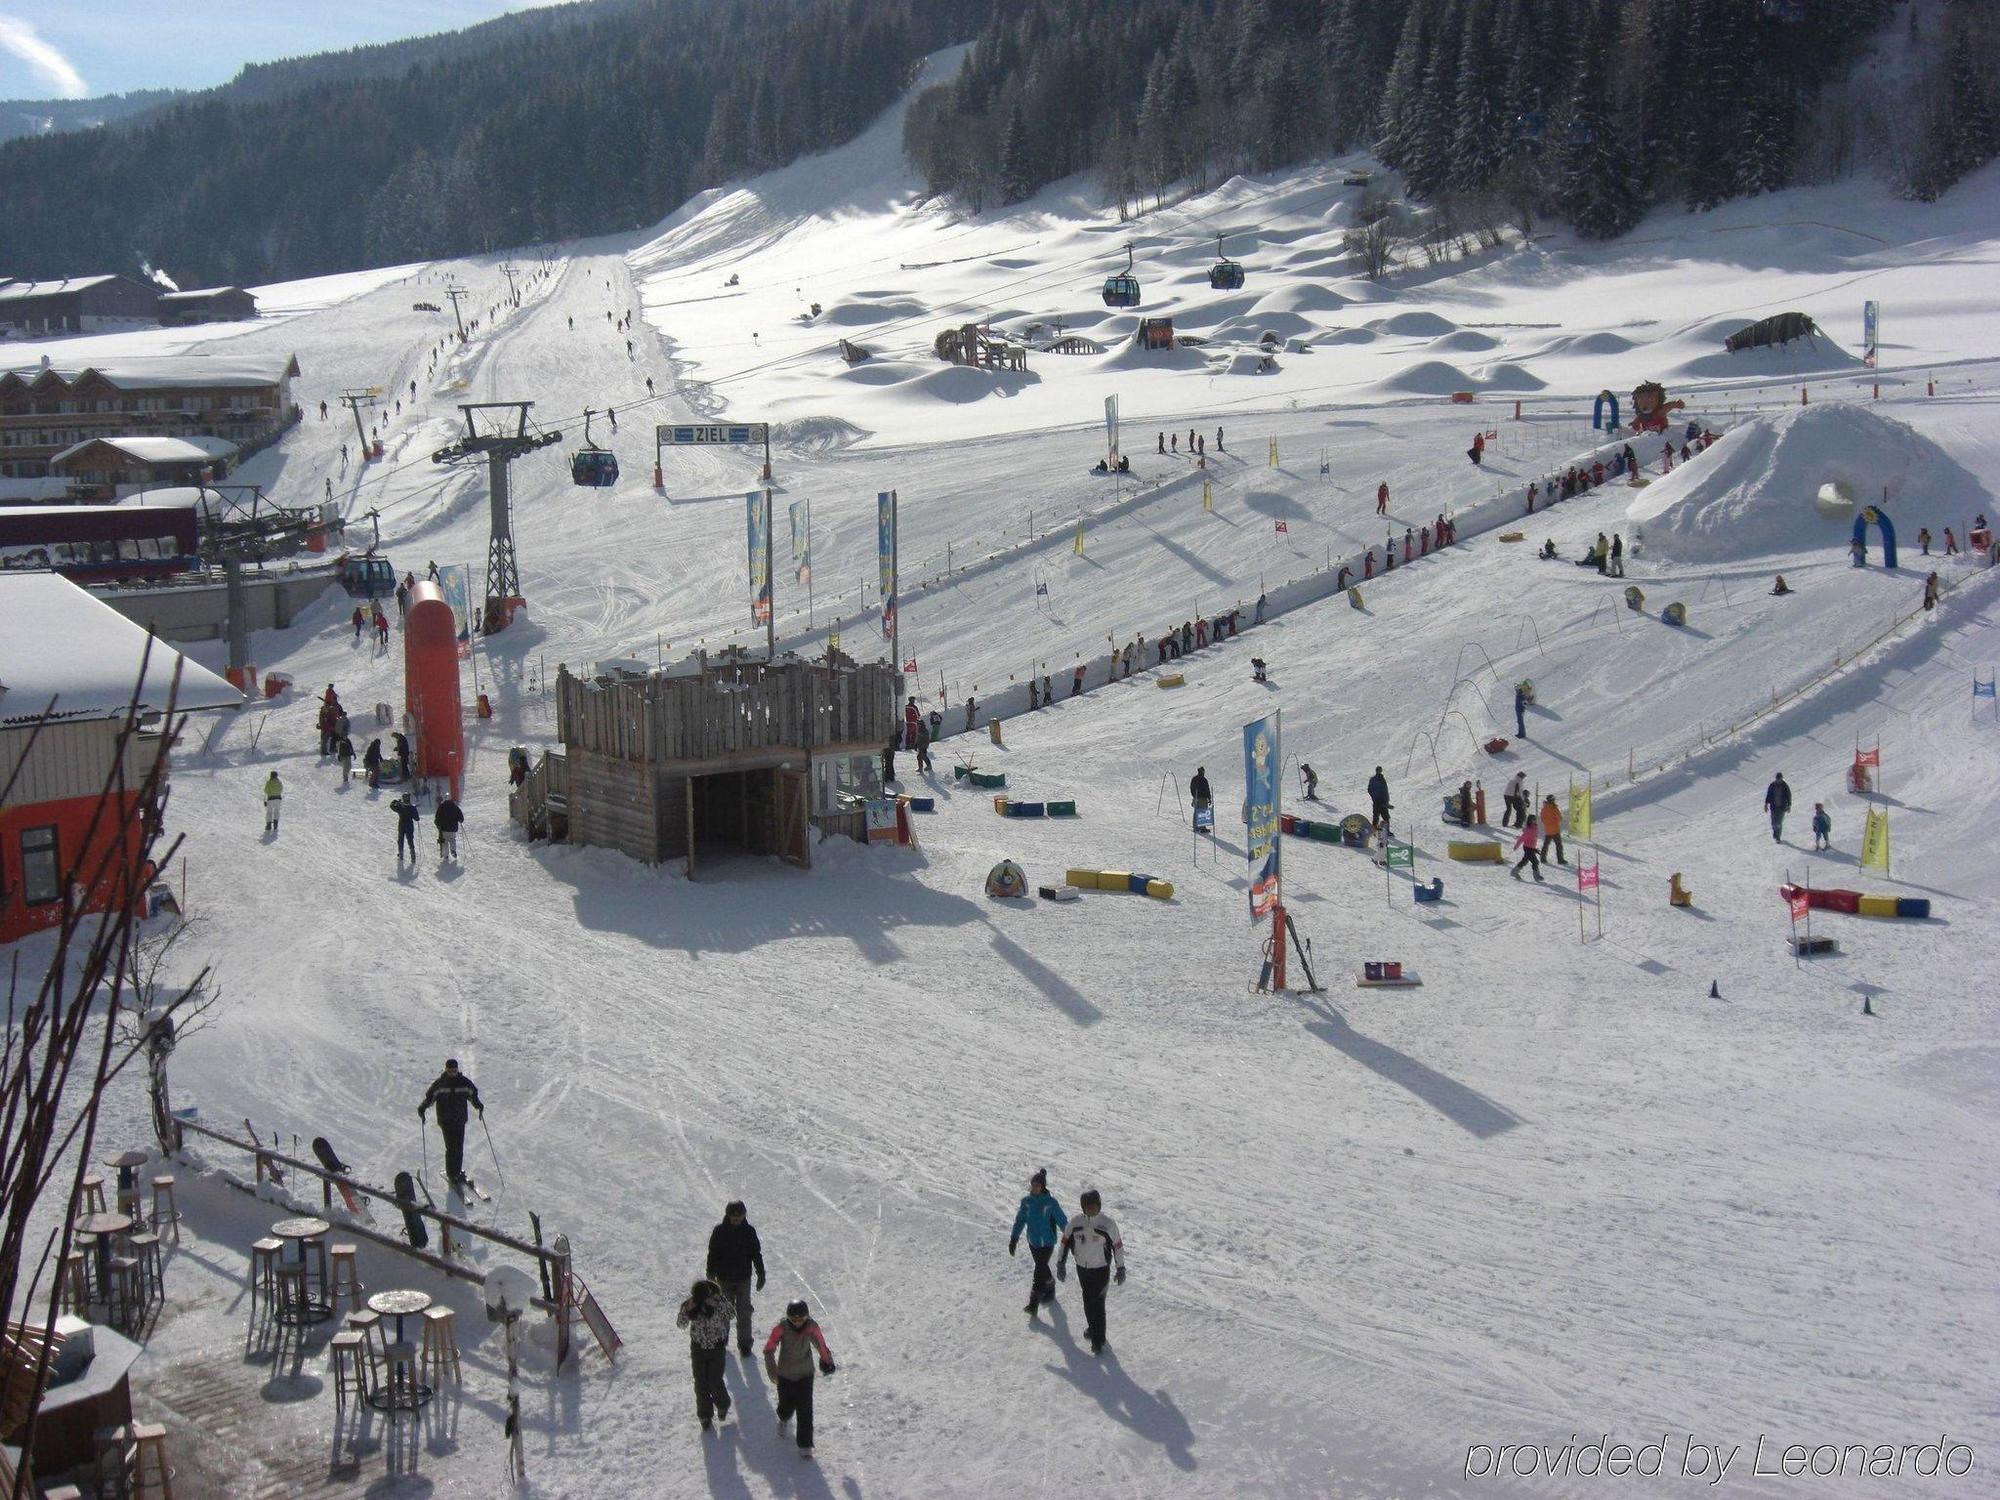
(491, 1152)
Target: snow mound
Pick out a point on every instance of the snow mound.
(1349, 336)
(1430, 377)
(1301, 298)
(1508, 376)
(1283, 324)
(1466, 338)
(1418, 325)
(859, 314)
(1247, 364)
(1751, 495)
(1129, 356)
(1816, 355)
(960, 384)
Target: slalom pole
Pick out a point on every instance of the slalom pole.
(491, 1152)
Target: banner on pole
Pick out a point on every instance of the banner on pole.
(1586, 877)
(1204, 816)
(1871, 331)
(1260, 781)
(1579, 812)
(1111, 428)
(451, 582)
(1983, 689)
(1875, 841)
(757, 519)
(1399, 856)
(1869, 757)
(1079, 539)
(802, 562)
(885, 556)
(1799, 904)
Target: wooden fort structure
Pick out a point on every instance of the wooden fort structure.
(721, 753)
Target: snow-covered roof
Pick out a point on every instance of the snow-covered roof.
(194, 292)
(61, 645)
(154, 371)
(160, 450)
(13, 291)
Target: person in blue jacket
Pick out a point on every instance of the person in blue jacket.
(1044, 1220)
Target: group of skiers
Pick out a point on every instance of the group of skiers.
(1418, 541)
(364, 619)
(1778, 803)
(1540, 832)
(1197, 445)
(336, 742)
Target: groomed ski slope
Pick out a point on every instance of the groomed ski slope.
(1558, 1189)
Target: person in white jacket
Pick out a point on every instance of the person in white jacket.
(1092, 1237)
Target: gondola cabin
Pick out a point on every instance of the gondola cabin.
(1122, 290)
(1225, 275)
(369, 577)
(594, 468)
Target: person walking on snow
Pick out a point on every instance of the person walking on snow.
(1822, 827)
(735, 1254)
(1778, 802)
(371, 762)
(406, 827)
(705, 1315)
(1477, 452)
(1527, 845)
(451, 1091)
(1617, 554)
(1199, 794)
(1382, 498)
(274, 794)
(1515, 797)
(1552, 829)
(1218, 440)
(788, 1360)
(381, 627)
(343, 749)
(360, 621)
(1520, 711)
(1924, 539)
(1092, 1238)
(1044, 1220)
(1378, 800)
(1931, 591)
(448, 819)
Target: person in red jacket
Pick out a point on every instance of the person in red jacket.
(1477, 451)
(1382, 498)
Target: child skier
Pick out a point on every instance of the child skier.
(1527, 845)
(274, 793)
(788, 1360)
(1822, 827)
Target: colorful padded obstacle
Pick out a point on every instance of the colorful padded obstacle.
(1306, 828)
(1476, 851)
(1005, 881)
(1432, 892)
(921, 804)
(1678, 894)
(1854, 904)
(1120, 880)
(1675, 613)
(1057, 892)
(1172, 679)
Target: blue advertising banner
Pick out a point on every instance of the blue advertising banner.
(1260, 782)
(885, 552)
(758, 522)
(802, 561)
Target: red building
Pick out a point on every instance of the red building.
(70, 686)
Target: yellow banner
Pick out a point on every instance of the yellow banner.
(1579, 811)
(1875, 841)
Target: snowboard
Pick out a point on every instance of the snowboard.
(323, 1151)
(277, 1172)
(413, 1222)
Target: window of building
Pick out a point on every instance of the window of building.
(41, 872)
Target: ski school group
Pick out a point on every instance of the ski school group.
(795, 1351)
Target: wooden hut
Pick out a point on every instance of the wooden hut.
(730, 754)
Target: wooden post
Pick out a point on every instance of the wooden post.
(565, 1306)
(688, 783)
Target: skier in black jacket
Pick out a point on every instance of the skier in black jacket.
(1378, 797)
(734, 1252)
(451, 1092)
(1199, 793)
(449, 818)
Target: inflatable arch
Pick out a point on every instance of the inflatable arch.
(1604, 398)
(1882, 522)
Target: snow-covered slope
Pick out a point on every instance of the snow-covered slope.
(1557, 1189)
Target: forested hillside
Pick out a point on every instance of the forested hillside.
(604, 120)
(1592, 110)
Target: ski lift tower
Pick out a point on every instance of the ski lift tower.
(503, 439)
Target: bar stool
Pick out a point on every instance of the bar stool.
(165, 1211)
(346, 1278)
(125, 1292)
(145, 1246)
(368, 1323)
(441, 1344)
(351, 1357)
(264, 1272)
(401, 1357)
(315, 1248)
(73, 1286)
(291, 1285)
(93, 1194)
(151, 1473)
